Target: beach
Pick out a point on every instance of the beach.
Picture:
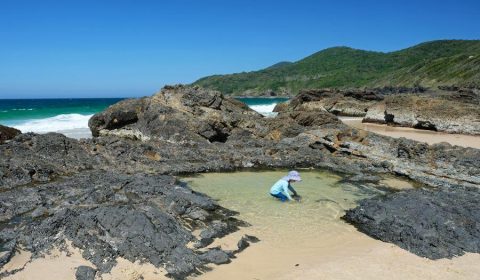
(305, 240)
(427, 136)
(213, 140)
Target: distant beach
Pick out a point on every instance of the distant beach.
(427, 136)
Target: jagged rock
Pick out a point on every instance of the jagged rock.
(85, 273)
(216, 256)
(245, 242)
(310, 138)
(7, 133)
(108, 197)
(338, 102)
(430, 223)
(409, 107)
(109, 215)
(40, 158)
(177, 114)
(452, 113)
(121, 114)
(7, 250)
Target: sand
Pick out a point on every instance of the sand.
(351, 255)
(62, 264)
(305, 240)
(397, 184)
(316, 245)
(58, 264)
(430, 137)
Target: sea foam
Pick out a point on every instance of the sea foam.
(264, 109)
(54, 124)
(79, 123)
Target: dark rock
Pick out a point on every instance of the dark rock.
(40, 211)
(7, 250)
(430, 223)
(122, 113)
(109, 197)
(40, 158)
(176, 113)
(85, 273)
(7, 133)
(245, 242)
(109, 215)
(242, 244)
(216, 256)
(216, 230)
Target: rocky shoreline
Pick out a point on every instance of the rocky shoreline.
(115, 195)
(443, 223)
(446, 109)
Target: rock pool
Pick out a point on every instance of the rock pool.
(324, 200)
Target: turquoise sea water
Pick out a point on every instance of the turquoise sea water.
(72, 115)
(18, 110)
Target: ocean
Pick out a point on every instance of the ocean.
(70, 116)
(263, 105)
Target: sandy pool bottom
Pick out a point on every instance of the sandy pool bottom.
(308, 240)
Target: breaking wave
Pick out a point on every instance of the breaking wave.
(264, 109)
(54, 124)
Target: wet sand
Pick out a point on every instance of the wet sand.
(430, 137)
(308, 240)
(298, 240)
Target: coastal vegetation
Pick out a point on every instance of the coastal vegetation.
(430, 64)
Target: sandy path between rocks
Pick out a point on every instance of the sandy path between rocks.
(430, 137)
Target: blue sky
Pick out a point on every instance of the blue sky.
(132, 48)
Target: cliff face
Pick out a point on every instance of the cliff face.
(108, 195)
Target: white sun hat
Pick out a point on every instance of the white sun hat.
(293, 175)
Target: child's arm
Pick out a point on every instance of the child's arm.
(290, 187)
(285, 190)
